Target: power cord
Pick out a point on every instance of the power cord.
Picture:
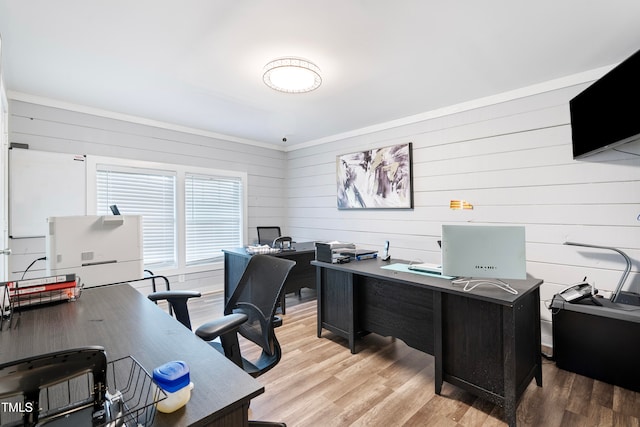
(471, 284)
(31, 265)
(548, 356)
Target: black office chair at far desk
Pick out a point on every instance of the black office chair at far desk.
(266, 235)
(250, 312)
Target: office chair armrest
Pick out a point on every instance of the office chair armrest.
(225, 324)
(177, 303)
(167, 295)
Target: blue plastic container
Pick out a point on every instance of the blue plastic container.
(173, 378)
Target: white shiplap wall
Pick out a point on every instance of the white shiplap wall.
(47, 128)
(513, 162)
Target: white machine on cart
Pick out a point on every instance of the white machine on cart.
(98, 249)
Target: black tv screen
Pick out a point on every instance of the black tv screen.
(607, 113)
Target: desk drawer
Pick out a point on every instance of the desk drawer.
(303, 274)
(336, 302)
(478, 337)
(396, 309)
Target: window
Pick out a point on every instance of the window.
(151, 194)
(189, 214)
(213, 216)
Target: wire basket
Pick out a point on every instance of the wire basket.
(44, 297)
(132, 395)
(130, 400)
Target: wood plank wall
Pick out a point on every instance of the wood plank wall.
(513, 162)
(53, 129)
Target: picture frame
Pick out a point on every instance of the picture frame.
(379, 178)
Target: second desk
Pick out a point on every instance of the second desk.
(486, 341)
(301, 276)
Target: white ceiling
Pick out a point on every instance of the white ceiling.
(198, 63)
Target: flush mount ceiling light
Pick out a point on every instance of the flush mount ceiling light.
(292, 75)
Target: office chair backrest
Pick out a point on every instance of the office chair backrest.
(266, 235)
(257, 296)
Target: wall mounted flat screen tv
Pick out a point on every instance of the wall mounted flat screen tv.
(606, 113)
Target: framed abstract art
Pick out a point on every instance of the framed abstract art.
(380, 178)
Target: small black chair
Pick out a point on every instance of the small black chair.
(251, 312)
(32, 377)
(266, 235)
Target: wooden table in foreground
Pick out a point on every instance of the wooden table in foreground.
(486, 341)
(126, 323)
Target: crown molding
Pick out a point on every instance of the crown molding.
(551, 85)
(548, 86)
(48, 102)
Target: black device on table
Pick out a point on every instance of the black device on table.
(283, 242)
(578, 292)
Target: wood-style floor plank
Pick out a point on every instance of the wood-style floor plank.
(319, 382)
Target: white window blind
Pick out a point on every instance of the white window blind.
(151, 194)
(213, 216)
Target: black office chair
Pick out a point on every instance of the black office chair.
(251, 312)
(266, 235)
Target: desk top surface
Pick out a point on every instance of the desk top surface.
(372, 268)
(126, 323)
(298, 248)
(624, 312)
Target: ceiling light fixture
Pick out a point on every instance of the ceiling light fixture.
(292, 75)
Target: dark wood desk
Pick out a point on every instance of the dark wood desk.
(126, 323)
(486, 341)
(303, 274)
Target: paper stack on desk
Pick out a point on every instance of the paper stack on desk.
(330, 251)
(359, 254)
(40, 290)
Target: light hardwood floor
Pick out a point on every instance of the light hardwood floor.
(319, 382)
